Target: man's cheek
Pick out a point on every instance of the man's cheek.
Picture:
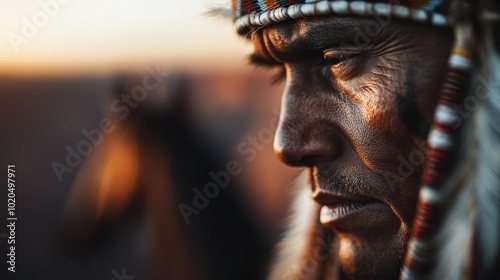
(394, 117)
(381, 115)
(375, 102)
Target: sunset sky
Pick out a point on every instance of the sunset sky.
(109, 34)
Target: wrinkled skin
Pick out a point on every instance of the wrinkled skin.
(352, 112)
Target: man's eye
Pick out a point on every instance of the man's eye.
(343, 64)
(337, 59)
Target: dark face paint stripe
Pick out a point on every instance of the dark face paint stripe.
(408, 110)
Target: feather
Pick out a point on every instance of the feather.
(220, 12)
(488, 181)
(468, 241)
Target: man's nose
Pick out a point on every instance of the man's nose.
(305, 136)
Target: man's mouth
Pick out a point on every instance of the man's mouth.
(349, 213)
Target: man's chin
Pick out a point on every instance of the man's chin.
(376, 258)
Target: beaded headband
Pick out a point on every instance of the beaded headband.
(252, 14)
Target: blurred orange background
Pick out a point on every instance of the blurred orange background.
(63, 63)
(72, 35)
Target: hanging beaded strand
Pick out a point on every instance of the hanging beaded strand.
(441, 145)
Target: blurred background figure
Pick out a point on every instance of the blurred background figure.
(104, 166)
(164, 148)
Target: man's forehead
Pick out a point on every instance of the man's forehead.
(311, 34)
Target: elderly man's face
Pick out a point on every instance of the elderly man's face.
(357, 106)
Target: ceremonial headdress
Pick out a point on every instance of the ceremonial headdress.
(441, 200)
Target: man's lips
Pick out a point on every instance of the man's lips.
(348, 213)
(330, 214)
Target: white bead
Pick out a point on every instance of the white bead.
(415, 249)
(430, 195)
(237, 24)
(383, 9)
(415, 246)
(307, 9)
(323, 8)
(339, 7)
(446, 115)
(272, 15)
(294, 12)
(275, 15)
(241, 23)
(281, 14)
(401, 11)
(255, 19)
(407, 274)
(418, 15)
(440, 140)
(247, 21)
(358, 7)
(460, 61)
(265, 19)
(439, 19)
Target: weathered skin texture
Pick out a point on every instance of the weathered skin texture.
(352, 112)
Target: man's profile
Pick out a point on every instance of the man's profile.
(370, 109)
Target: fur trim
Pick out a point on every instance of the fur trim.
(220, 12)
(305, 248)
